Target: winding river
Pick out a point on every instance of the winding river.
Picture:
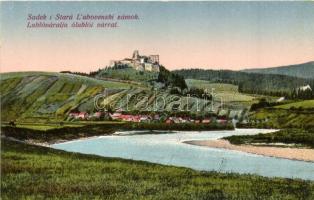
(169, 149)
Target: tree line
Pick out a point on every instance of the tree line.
(264, 84)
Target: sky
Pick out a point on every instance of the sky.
(210, 35)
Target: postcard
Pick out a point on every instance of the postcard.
(157, 100)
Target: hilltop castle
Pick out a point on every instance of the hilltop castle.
(139, 62)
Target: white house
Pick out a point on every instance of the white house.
(306, 87)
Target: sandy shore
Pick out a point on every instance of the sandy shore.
(279, 152)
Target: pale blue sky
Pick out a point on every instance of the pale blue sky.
(198, 34)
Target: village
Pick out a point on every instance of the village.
(167, 118)
(146, 118)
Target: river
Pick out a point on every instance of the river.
(169, 149)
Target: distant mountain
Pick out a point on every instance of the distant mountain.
(305, 70)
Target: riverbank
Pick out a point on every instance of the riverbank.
(67, 133)
(301, 154)
(300, 138)
(54, 174)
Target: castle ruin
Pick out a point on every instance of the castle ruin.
(139, 62)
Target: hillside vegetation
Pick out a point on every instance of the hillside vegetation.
(164, 77)
(304, 70)
(33, 172)
(222, 91)
(283, 118)
(307, 104)
(37, 96)
(127, 73)
(296, 137)
(268, 84)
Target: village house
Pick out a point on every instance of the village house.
(83, 115)
(74, 115)
(97, 115)
(206, 121)
(79, 115)
(281, 99)
(306, 87)
(144, 118)
(222, 121)
(116, 115)
(169, 121)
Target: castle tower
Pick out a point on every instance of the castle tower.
(154, 59)
(135, 55)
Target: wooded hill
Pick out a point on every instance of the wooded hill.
(253, 83)
(304, 70)
(126, 73)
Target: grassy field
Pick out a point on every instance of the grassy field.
(32, 172)
(307, 104)
(283, 118)
(227, 92)
(298, 137)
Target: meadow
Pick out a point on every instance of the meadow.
(33, 172)
(224, 91)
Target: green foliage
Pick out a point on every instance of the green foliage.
(199, 93)
(305, 70)
(177, 127)
(33, 172)
(207, 84)
(126, 73)
(57, 133)
(282, 118)
(52, 133)
(171, 79)
(302, 94)
(307, 104)
(40, 96)
(222, 91)
(263, 103)
(298, 137)
(265, 84)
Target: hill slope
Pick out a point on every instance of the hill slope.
(36, 96)
(270, 84)
(307, 104)
(305, 70)
(148, 78)
(225, 92)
